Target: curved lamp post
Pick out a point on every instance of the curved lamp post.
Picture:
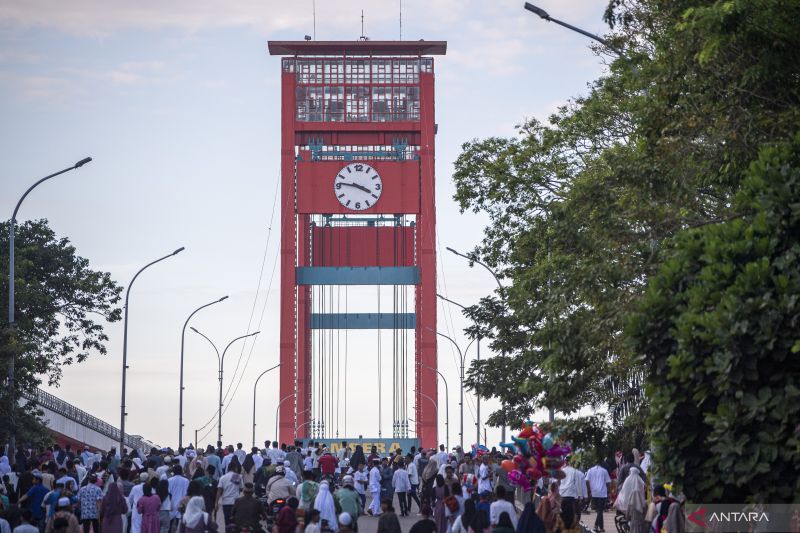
(221, 361)
(254, 398)
(11, 320)
(183, 339)
(125, 348)
(277, 410)
(477, 358)
(446, 405)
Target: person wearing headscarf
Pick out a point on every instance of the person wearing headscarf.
(195, 518)
(358, 458)
(326, 506)
(631, 500)
(5, 467)
(248, 468)
(112, 509)
(550, 509)
(529, 521)
(149, 506)
(290, 475)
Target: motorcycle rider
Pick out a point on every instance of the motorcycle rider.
(279, 487)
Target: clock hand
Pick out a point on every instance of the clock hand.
(357, 186)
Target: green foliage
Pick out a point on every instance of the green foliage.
(584, 208)
(61, 307)
(718, 330)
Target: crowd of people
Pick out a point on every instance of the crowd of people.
(312, 489)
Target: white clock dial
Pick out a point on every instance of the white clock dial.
(358, 186)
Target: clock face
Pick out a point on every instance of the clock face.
(358, 186)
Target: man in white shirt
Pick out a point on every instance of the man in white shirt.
(570, 492)
(413, 477)
(581, 494)
(164, 469)
(361, 479)
(375, 489)
(441, 456)
(178, 486)
(340, 453)
(276, 454)
(598, 482)
(240, 452)
(502, 505)
(227, 491)
(484, 481)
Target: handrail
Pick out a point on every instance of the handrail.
(69, 411)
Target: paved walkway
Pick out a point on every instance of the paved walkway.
(369, 524)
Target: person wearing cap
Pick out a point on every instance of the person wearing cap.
(64, 513)
(35, 497)
(346, 523)
(278, 487)
(349, 500)
(137, 491)
(247, 510)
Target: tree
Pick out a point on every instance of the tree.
(717, 328)
(584, 208)
(60, 308)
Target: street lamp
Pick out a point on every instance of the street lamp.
(461, 401)
(446, 404)
(435, 406)
(221, 361)
(183, 338)
(477, 358)
(277, 410)
(473, 259)
(254, 399)
(11, 321)
(125, 348)
(545, 16)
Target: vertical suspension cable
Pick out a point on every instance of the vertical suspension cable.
(346, 373)
(380, 381)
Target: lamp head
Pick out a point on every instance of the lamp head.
(82, 162)
(179, 250)
(537, 10)
(451, 250)
(223, 298)
(193, 329)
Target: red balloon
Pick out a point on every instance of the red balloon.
(507, 465)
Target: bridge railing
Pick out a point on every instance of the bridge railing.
(69, 411)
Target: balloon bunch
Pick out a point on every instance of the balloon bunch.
(536, 454)
(479, 450)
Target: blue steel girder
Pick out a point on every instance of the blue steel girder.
(363, 321)
(357, 275)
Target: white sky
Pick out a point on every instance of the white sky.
(177, 101)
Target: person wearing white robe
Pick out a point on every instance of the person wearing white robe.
(137, 491)
(631, 500)
(178, 486)
(325, 505)
(375, 490)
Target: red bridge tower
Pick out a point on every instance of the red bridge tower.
(357, 208)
